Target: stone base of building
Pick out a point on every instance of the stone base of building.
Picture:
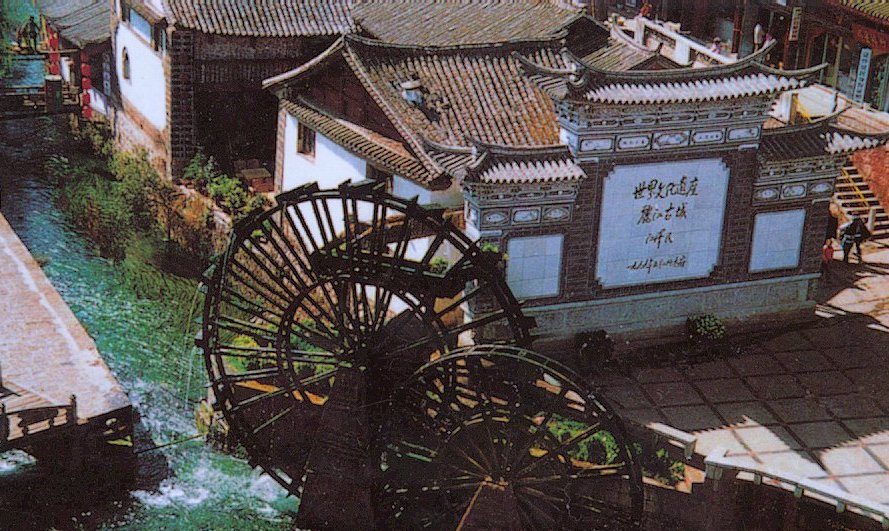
(130, 135)
(658, 317)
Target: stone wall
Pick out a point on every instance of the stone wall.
(663, 313)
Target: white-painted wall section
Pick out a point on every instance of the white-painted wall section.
(330, 166)
(146, 88)
(452, 197)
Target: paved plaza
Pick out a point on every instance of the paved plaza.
(811, 401)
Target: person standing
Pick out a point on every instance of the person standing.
(30, 31)
(853, 234)
(826, 259)
(716, 45)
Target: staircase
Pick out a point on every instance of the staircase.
(855, 197)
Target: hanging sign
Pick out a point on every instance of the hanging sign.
(861, 75)
(796, 21)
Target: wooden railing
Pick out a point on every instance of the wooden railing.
(717, 462)
(29, 421)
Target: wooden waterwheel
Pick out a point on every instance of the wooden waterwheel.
(495, 437)
(318, 310)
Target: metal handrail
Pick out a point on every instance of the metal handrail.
(858, 192)
(716, 462)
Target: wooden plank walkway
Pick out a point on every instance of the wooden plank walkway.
(46, 356)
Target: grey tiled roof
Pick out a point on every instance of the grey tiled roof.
(475, 93)
(581, 81)
(264, 18)
(816, 139)
(443, 23)
(81, 22)
(520, 165)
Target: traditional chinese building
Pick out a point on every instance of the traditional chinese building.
(188, 73)
(627, 195)
(83, 25)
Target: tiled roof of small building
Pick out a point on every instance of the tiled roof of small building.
(379, 150)
(454, 22)
(81, 22)
(264, 18)
(585, 82)
(523, 165)
(621, 53)
(819, 138)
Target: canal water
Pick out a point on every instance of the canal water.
(182, 486)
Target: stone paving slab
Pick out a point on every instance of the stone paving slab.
(43, 348)
(811, 401)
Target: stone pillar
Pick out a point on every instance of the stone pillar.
(279, 146)
(180, 100)
(738, 231)
(748, 22)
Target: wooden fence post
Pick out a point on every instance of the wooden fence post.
(72, 409)
(4, 424)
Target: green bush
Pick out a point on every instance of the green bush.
(439, 265)
(200, 171)
(95, 138)
(255, 202)
(138, 182)
(703, 328)
(228, 192)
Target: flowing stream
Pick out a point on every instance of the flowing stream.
(182, 486)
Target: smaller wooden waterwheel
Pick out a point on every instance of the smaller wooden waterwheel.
(494, 437)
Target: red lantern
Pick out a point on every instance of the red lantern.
(86, 70)
(86, 99)
(53, 42)
(86, 83)
(54, 68)
(54, 57)
(86, 112)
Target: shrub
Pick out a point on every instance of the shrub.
(702, 328)
(95, 137)
(228, 192)
(255, 202)
(489, 247)
(138, 181)
(439, 265)
(201, 170)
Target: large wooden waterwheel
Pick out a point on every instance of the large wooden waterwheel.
(318, 313)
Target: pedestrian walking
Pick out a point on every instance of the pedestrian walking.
(852, 234)
(826, 259)
(30, 31)
(716, 45)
